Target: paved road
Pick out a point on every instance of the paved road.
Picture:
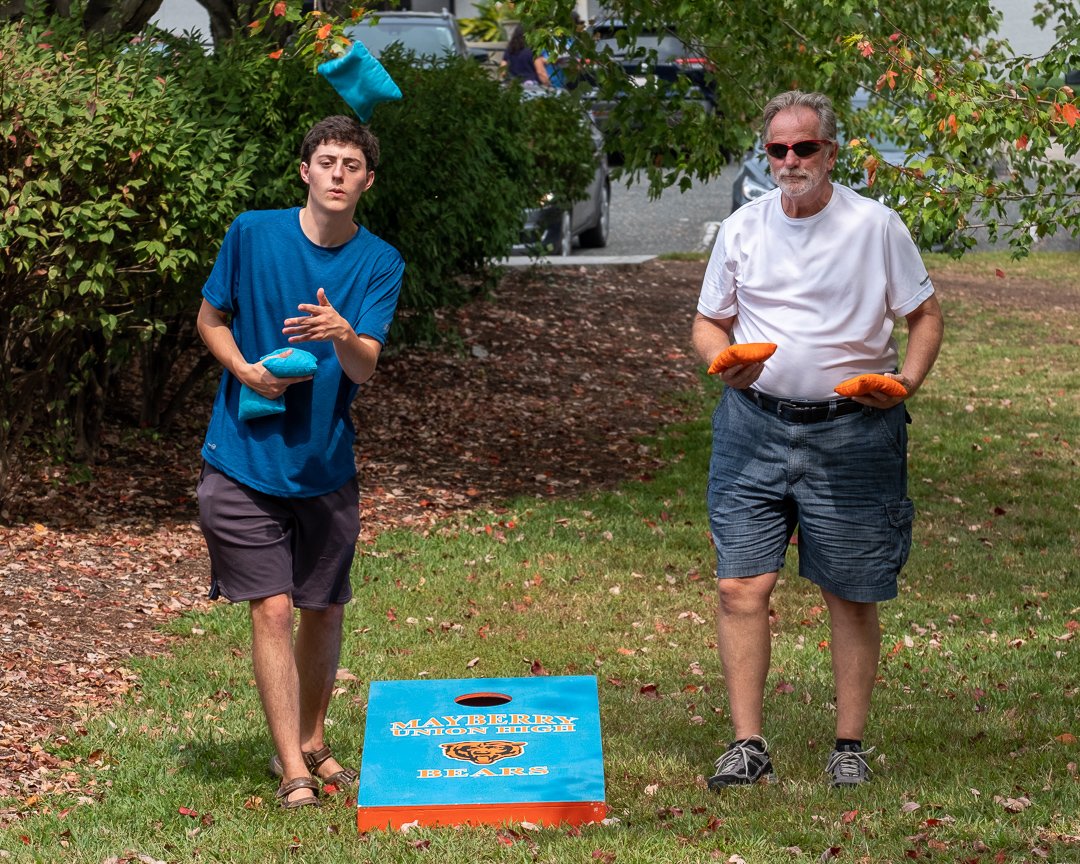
(679, 222)
(675, 222)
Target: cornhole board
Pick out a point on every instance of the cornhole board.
(482, 751)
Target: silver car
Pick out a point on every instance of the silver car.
(552, 227)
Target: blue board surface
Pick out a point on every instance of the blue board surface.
(427, 743)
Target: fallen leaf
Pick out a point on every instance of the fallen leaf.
(1013, 805)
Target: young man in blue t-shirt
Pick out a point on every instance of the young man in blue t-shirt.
(278, 496)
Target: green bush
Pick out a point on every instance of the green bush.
(124, 164)
(114, 197)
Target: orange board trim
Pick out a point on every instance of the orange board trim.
(548, 813)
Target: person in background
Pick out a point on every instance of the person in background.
(519, 61)
(824, 273)
(278, 495)
(559, 63)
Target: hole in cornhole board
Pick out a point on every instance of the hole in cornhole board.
(482, 700)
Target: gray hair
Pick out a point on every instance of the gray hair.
(819, 103)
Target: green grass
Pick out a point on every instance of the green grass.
(978, 695)
(684, 256)
(1060, 268)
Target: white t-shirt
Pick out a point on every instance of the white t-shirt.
(827, 289)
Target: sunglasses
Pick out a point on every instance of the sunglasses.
(802, 148)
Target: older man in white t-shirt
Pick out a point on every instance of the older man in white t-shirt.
(823, 273)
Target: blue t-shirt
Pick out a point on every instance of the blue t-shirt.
(267, 267)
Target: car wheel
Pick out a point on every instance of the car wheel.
(560, 237)
(597, 236)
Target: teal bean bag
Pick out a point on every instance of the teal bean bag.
(293, 365)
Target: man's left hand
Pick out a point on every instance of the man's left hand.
(877, 399)
(322, 323)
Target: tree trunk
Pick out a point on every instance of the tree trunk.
(206, 362)
(226, 16)
(119, 16)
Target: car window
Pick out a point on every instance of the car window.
(644, 43)
(670, 47)
(422, 40)
(666, 46)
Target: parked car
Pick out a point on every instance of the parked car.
(673, 59)
(426, 34)
(555, 226)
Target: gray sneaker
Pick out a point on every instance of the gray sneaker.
(743, 764)
(848, 767)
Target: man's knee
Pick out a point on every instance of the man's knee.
(272, 613)
(744, 596)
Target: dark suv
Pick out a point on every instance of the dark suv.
(661, 53)
(428, 35)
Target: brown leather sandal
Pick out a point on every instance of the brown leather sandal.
(343, 778)
(287, 788)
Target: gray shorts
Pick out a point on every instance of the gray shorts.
(842, 482)
(261, 545)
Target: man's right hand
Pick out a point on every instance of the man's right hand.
(741, 377)
(262, 381)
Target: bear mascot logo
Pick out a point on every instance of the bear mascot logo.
(483, 752)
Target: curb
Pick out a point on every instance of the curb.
(574, 260)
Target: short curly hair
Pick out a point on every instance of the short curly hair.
(342, 130)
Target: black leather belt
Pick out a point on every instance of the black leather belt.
(802, 411)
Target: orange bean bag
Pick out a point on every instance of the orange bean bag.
(736, 355)
(860, 385)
